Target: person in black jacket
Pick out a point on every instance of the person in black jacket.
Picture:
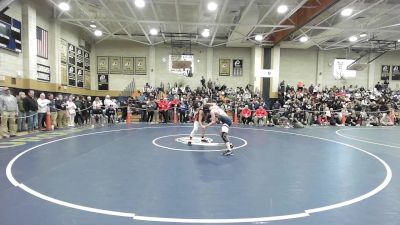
(31, 107)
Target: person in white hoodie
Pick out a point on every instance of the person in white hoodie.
(42, 109)
(71, 110)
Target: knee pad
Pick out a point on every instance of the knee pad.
(225, 128)
(224, 137)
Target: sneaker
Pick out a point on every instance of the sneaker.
(189, 143)
(227, 153)
(204, 140)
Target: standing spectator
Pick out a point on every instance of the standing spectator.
(79, 106)
(151, 107)
(163, 108)
(203, 82)
(71, 109)
(21, 114)
(42, 109)
(62, 118)
(53, 111)
(261, 116)
(30, 107)
(9, 112)
(87, 109)
(246, 115)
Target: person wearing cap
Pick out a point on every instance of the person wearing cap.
(9, 113)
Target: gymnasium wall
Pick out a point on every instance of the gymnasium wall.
(316, 66)
(11, 62)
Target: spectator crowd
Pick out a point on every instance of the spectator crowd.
(295, 106)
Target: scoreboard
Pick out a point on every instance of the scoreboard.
(10, 33)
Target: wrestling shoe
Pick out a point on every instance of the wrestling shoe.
(231, 145)
(204, 140)
(227, 153)
(189, 143)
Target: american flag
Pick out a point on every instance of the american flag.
(42, 38)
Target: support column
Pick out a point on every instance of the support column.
(275, 64)
(371, 74)
(256, 59)
(152, 66)
(55, 52)
(29, 47)
(320, 68)
(209, 63)
(94, 82)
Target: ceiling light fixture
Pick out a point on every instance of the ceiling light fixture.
(282, 9)
(98, 33)
(304, 39)
(140, 3)
(398, 40)
(346, 12)
(258, 37)
(93, 25)
(205, 33)
(64, 6)
(363, 35)
(212, 6)
(353, 39)
(153, 31)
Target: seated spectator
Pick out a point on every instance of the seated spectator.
(260, 116)
(246, 115)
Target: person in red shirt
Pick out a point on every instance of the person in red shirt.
(172, 104)
(246, 115)
(163, 107)
(261, 116)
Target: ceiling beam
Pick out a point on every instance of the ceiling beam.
(243, 15)
(276, 3)
(220, 15)
(140, 25)
(5, 3)
(302, 16)
(153, 9)
(352, 16)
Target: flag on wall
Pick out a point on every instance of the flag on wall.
(42, 38)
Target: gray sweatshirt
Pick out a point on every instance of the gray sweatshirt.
(8, 103)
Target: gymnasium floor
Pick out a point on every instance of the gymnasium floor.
(146, 174)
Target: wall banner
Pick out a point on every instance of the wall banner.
(385, 72)
(140, 66)
(237, 67)
(127, 65)
(102, 64)
(224, 67)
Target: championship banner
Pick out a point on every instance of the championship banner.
(71, 75)
(64, 51)
(385, 72)
(64, 74)
(103, 81)
(102, 64)
(71, 54)
(86, 59)
(224, 67)
(140, 65)
(87, 80)
(43, 73)
(79, 58)
(395, 72)
(115, 64)
(79, 78)
(237, 67)
(127, 66)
